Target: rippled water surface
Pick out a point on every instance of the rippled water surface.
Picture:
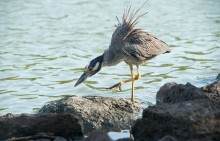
(44, 46)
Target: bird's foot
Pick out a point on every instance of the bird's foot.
(134, 101)
(118, 85)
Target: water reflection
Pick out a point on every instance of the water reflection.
(45, 46)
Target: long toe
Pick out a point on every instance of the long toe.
(118, 85)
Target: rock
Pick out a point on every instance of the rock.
(28, 126)
(124, 139)
(167, 138)
(97, 113)
(184, 112)
(41, 140)
(213, 91)
(59, 139)
(172, 92)
(162, 93)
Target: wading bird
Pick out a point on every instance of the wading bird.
(129, 44)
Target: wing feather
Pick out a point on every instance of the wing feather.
(144, 45)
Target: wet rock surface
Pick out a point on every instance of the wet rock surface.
(106, 114)
(183, 111)
(40, 126)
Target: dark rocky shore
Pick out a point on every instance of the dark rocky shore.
(182, 112)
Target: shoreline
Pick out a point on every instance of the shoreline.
(182, 112)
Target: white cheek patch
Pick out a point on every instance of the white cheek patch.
(96, 66)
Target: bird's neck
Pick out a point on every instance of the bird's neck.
(110, 58)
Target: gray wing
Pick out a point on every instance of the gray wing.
(144, 45)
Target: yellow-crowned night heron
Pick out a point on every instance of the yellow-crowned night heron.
(128, 44)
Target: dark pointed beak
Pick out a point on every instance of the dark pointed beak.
(82, 78)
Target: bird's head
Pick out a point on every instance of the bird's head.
(92, 68)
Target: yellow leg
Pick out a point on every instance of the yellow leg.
(132, 83)
(118, 85)
(138, 76)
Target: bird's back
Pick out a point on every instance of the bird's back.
(141, 46)
(134, 45)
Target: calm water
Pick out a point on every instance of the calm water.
(44, 46)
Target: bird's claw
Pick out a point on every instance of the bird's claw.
(134, 101)
(118, 85)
